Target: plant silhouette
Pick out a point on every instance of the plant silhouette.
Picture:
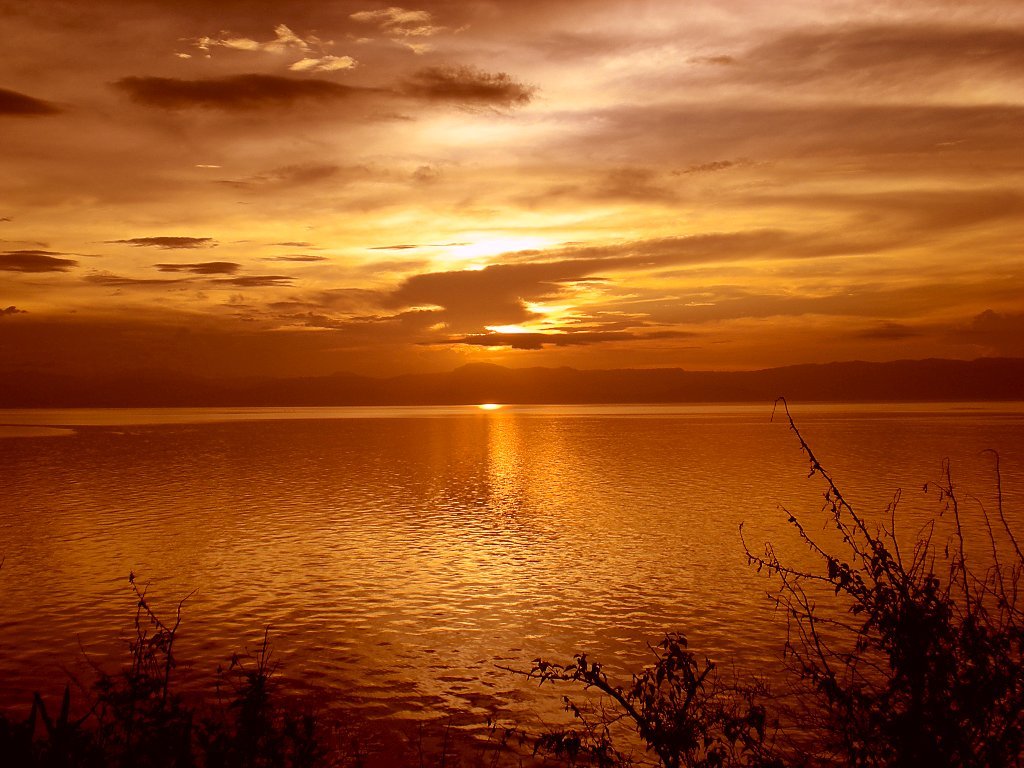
(899, 657)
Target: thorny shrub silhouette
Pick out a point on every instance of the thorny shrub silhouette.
(901, 657)
(680, 708)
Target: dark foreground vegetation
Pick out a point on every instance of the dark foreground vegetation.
(135, 717)
(901, 653)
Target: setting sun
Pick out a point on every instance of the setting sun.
(489, 406)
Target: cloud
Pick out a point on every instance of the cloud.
(323, 64)
(867, 300)
(468, 86)
(285, 40)
(300, 257)
(914, 214)
(876, 55)
(343, 300)
(933, 211)
(627, 183)
(711, 167)
(235, 93)
(572, 339)
(890, 136)
(311, 49)
(1000, 333)
(12, 310)
(258, 281)
(714, 247)
(301, 174)
(168, 243)
(995, 324)
(426, 174)
(398, 22)
(202, 268)
(720, 60)
(888, 332)
(35, 261)
(118, 281)
(210, 268)
(470, 300)
(21, 105)
(412, 246)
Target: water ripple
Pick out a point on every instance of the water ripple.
(401, 562)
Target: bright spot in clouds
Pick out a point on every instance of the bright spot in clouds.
(494, 246)
(507, 329)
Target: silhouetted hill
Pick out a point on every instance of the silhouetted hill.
(904, 380)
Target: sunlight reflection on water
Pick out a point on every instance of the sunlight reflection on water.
(403, 556)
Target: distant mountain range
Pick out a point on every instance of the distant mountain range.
(899, 381)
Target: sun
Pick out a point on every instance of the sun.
(489, 406)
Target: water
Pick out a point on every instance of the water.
(405, 557)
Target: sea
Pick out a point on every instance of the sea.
(408, 565)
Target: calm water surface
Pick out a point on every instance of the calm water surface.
(403, 556)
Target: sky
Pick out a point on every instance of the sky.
(310, 187)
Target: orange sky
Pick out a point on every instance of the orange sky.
(287, 188)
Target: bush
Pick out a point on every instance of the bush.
(136, 719)
(899, 658)
(680, 708)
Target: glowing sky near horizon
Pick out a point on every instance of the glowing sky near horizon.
(303, 187)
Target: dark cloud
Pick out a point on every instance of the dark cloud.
(300, 257)
(912, 214)
(202, 268)
(573, 339)
(342, 300)
(426, 174)
(468, 86)
(879, 301)
(992, 332)
(118, 281)
(472, 299)
(12, 310)
(722, 60)
(892, 136)
(956, 209)
(301, 175)
(996, 324)
(628, 183)
(235, 93)
(715, 247)
(294, 244)
(888, 332)
(715, 165)
(168, 242)
(20, 105)
(258, 281)
(497, 295)
(881, 54)
(35, 261)
(411, 246)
